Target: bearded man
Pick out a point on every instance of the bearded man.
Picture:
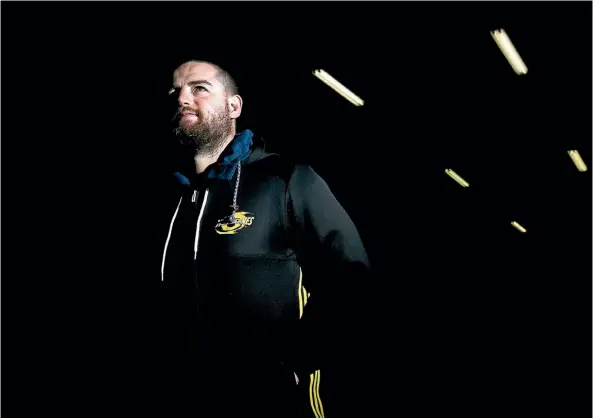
(257, 250)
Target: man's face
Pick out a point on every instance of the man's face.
(203, 119)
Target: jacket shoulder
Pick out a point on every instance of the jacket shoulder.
(276, 166)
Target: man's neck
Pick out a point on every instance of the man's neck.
(202, 161)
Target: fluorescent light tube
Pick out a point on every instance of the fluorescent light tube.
(456, 177)
(577, 160)
(510, 52)
(338, 87)
(519, 227)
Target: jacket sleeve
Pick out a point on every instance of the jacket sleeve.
(335, 267)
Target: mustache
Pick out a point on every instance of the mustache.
(180, 110)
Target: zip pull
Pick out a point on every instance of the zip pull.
(193, 198)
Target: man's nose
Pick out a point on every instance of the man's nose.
(184, 98)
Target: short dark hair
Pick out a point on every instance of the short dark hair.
(229, 83)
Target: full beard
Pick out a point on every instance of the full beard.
(205, 138)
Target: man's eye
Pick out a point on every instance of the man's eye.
(198, 88)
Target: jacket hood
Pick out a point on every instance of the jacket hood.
(258, 151)
(246, 148)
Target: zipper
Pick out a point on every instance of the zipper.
(167, 241)
(199, 223)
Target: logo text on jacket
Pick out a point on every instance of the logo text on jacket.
(228, 226)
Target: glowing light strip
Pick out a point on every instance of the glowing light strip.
(519, 227)
(338, 87)
(577, 160)
(510, 52)
(456, 177)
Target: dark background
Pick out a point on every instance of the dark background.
(469, 317)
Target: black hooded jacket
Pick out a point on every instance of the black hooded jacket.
(262, 282)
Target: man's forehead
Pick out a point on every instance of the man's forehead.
(192, 71)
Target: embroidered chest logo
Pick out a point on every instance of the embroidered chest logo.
(231, 225)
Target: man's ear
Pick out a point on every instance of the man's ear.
(235, 104)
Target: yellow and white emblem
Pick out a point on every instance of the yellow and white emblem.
(231, 225)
